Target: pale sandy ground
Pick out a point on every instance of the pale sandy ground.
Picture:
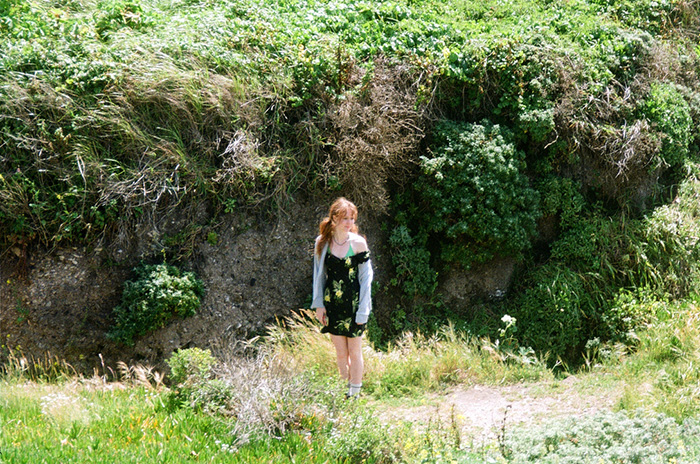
(482, 411)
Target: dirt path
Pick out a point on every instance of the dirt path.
(480, 410)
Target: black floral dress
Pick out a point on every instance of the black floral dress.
(342, 294)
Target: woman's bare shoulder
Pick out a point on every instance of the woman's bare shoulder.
(359, 244)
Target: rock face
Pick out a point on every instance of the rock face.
(490, 281)
(60, 308)
(256, 271)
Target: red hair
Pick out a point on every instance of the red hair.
(340, 208)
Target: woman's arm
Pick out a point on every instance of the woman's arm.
(319, 281)
(366, 274)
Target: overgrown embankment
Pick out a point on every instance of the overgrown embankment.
(527, 159)
(280, 399)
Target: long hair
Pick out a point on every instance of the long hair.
(340, 208)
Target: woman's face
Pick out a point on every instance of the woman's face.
(346, 222)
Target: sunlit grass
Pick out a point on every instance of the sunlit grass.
(70, 423)
(295, 411)
(413, 364)
(662, 373)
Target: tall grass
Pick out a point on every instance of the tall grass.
(415, 363)
(663, 371)
(279, 400)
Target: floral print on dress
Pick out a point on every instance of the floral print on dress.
(338, 289)
(342, 294)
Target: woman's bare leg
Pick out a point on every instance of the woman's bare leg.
(342, 355)
(356, 362)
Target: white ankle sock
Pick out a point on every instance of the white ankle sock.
(354, 389)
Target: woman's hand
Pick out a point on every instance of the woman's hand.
(321, 316)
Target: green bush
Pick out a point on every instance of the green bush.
(606, 274)
(566, 302)
(190, 362)
(195, 385)
(8, 7)
(116, 14)
(629, 311)
(157, 294)
(411, 259)
(669, 114)
(551, 312)
(476, 199)
(561, 197)
(606, 437)
(649, 15)
(666, 253)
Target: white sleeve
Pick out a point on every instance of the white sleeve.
(366, 274)
(319, 280)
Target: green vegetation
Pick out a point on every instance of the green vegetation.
(281, 400)
(158, 293)
(478, 198)
(473, 123)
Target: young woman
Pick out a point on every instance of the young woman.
(342, 288)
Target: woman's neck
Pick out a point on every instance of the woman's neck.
(341, 238)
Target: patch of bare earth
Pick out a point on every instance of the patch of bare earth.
(483, 411)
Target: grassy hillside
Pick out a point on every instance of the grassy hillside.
(562, 134)
(282, 403)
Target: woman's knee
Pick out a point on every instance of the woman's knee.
(355, 348)
(341, 346)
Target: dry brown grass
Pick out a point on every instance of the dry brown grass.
(375, 135)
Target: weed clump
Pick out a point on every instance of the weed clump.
(157, 294)
(606, 437)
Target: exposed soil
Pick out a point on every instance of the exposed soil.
(483, 411)
(256, 271)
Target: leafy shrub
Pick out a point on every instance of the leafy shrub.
(157, 294)
(411, 259)
(116, 14)
(607, 275)
(606, 437)
(669, 242)
(629, 311)
(669, 114)
(9, 7)
(650, 15)
(537, 122)
(475, 196)
(196, 386)
(566, 302)
(211, 396)
(190, 362)
(561, 197)
(469, 203)
(551, 312)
